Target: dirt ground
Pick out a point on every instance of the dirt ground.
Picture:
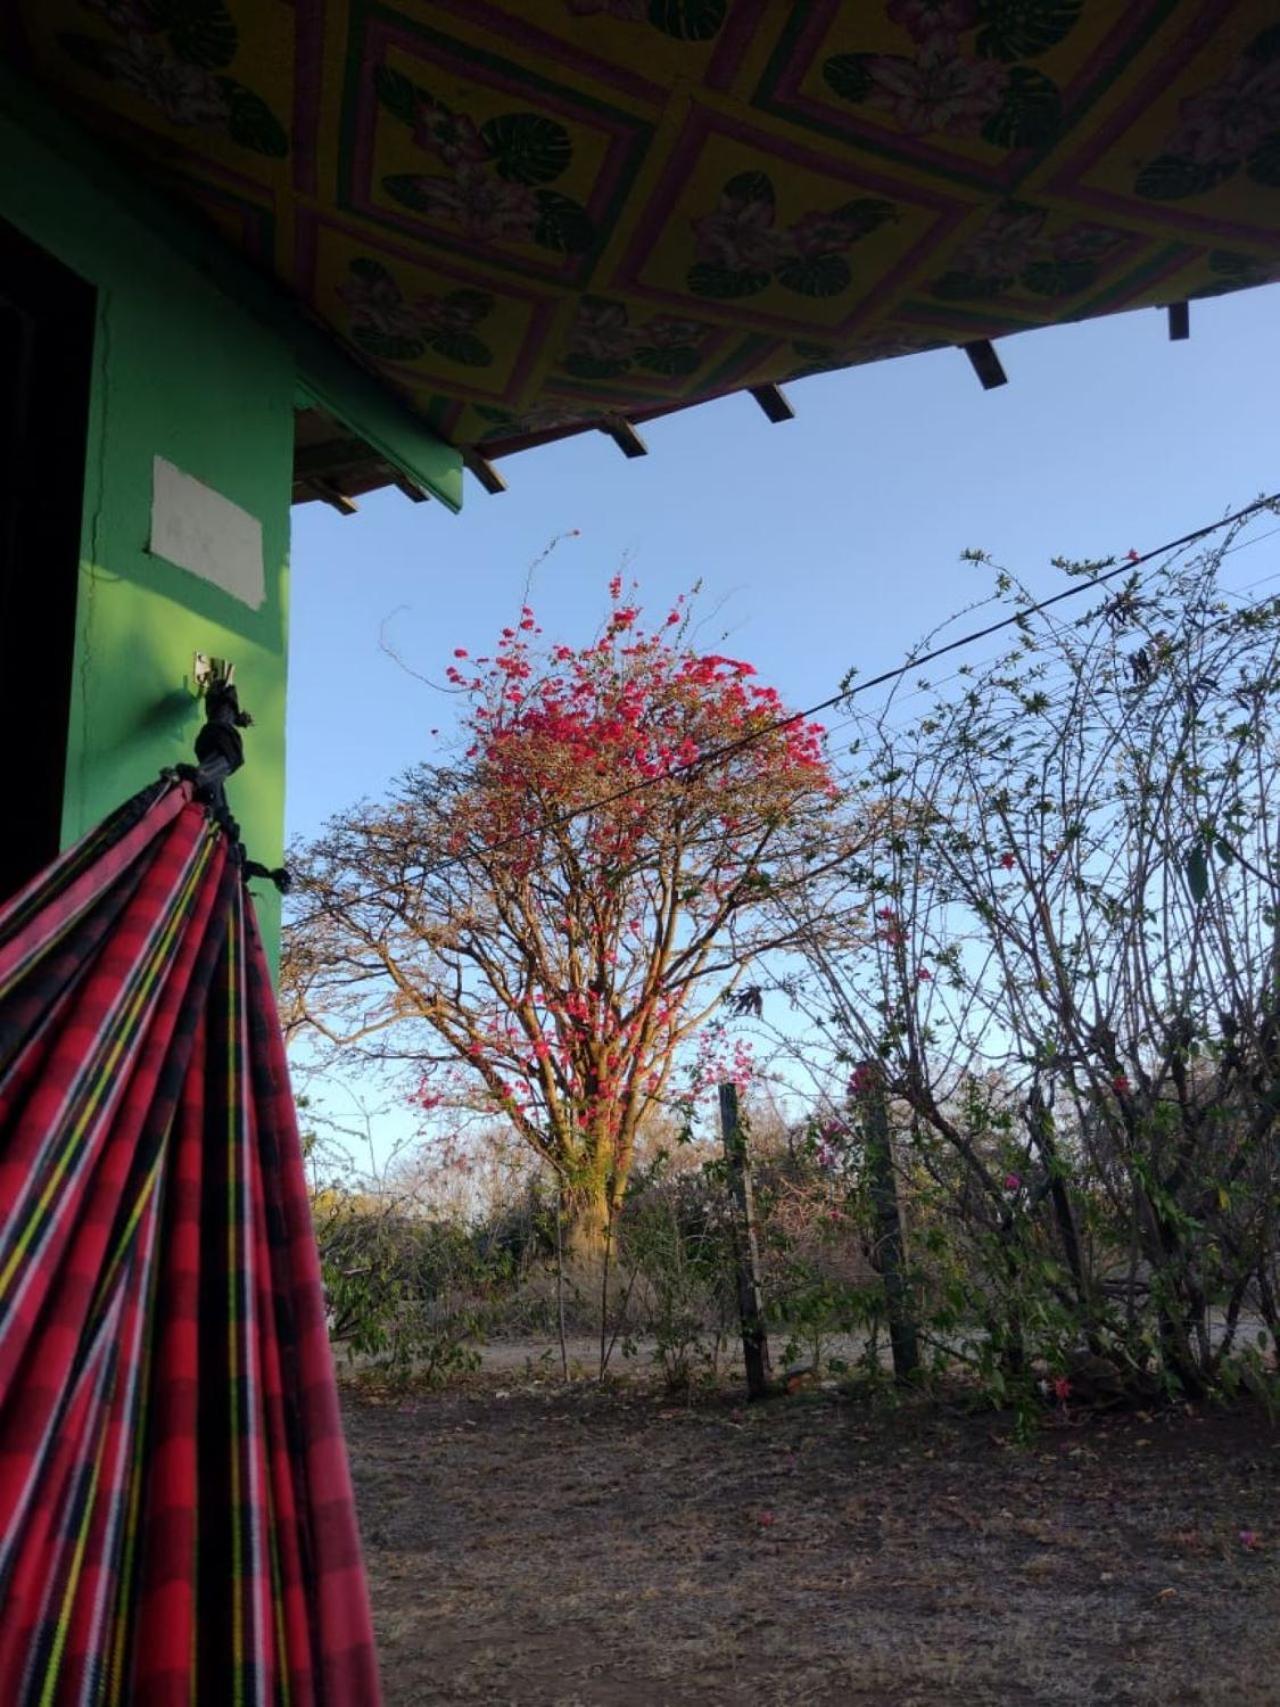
(547, 1546)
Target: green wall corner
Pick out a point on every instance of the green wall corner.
(183, 373)
(200, 361)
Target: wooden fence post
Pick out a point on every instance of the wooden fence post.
(755, 1340)
(878, 1150)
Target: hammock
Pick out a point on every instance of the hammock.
(176, 1518)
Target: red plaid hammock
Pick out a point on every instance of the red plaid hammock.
(176, 1519)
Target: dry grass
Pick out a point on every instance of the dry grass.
(546, 1547)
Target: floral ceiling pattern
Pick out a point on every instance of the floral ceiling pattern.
(530, 217)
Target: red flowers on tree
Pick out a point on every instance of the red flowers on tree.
(549, 921)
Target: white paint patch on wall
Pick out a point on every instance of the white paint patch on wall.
(206, 534)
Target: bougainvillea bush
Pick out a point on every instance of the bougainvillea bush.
(1058, 959)
(538, 927)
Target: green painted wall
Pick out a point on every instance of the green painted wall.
(181, 372)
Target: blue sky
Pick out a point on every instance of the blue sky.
(828, 542)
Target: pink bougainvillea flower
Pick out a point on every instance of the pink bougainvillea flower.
(1013, 1182)
(862, 1080)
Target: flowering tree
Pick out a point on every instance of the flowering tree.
(540, 927)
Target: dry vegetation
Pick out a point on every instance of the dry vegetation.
(550, 1546)
(1030, 1005)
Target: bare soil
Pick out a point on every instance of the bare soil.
(550, 1546)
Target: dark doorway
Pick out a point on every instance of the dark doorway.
(46, 356)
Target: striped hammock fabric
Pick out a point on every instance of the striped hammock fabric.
(176, 1518)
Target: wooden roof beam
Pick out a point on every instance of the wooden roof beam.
(986, 363)
(336, 500)
(330, 457)
(775, 403)
(625, 437)
(484, 472)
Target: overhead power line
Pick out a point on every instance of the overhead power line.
(717, 755)
(935, 687)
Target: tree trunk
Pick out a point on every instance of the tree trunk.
(586, 1219)
(889, 1259)
(588, 1199)
(591, 1195)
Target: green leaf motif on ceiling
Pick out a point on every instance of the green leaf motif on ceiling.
(563, 224)
(397, 93)
(866, 214)
(462, 347)
(751, 187)
(726, 283)
(958, 286)
(527, 148)
(673, 362)
(387, 346)
(1021, 29)
(583, 366)
(950, 86)
(815, 275)
(1030, 114)
(1059, 278)
(603, 344)
(1170, 177)
(1221, 127)
(488, 180)
(384, 325)
(250, 121)
(688, 20)
(175, 67)
(848, 76)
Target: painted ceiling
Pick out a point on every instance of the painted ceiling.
(530, 218)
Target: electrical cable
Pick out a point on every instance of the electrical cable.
(717, 755)
(935, 687)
